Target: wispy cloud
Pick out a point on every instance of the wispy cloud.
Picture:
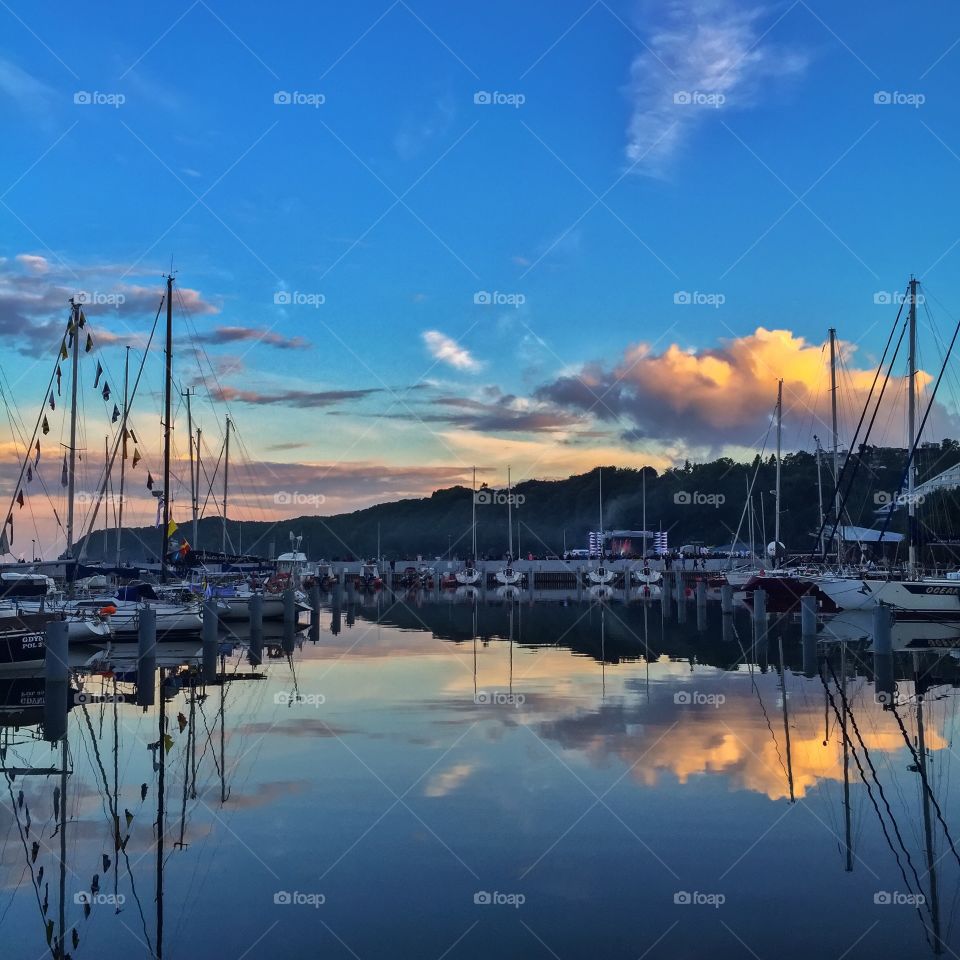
(262, 335)
(31, 95)
(708, 57)
(447, 350)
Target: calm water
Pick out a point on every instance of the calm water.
(414, 783)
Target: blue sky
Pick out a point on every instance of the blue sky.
(589, 200)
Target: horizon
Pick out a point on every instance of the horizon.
(600, 293)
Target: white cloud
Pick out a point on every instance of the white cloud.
(710, 56)
(447, 350)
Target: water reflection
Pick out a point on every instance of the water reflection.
(407, 755)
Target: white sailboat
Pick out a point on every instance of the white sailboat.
(602, 574)
(507, 576)
(470, 575)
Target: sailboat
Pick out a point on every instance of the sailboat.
(915, 594)
(643, 574)
(507, 576)
(470, 575)
(601, 575)
(784, 586)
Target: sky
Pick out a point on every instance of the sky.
(414, 238)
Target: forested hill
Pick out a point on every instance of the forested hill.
(700, 503)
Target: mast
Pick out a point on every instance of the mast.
(848, 832)
(509, 520)
(927, 825)
(836, 441)
(600, 551)
(776, 521)
(820, 497)
(194, 474)
(226, 483)
(72, 473)
(123, 452)
(473, 522)
(912, 430)
(167, 384)
(643, 477)
(197, 508)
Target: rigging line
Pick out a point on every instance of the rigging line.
(866, 783)
(876, 410)
(116, 825)
(117, 443)
(40, 415)
(926, 785)
(923, 422)
(853, 442)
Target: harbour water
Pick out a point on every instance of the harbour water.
(420, 777)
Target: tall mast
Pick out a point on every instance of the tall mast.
(72, 470)
(820, 498)
(226, 483)
(912, 429)
(473, 522)
(643, 476)
(167, 384)
(197, 506)
(776, 522)
(194, 478)
(601, 512)
(927, 824)
(509, 519)
(836, 441)
(123, 450)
